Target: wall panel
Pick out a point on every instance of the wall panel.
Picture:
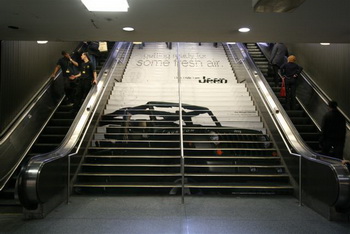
(329, 67)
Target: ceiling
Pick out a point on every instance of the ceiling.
(175, 20)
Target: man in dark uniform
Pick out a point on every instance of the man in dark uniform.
(86, 78)
(70, 71)
(333, 132)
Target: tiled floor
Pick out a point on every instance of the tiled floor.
(214, 215)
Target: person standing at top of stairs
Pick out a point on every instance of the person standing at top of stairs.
(277, 59)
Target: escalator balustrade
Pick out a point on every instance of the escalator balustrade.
(302, 122)
(49, 139)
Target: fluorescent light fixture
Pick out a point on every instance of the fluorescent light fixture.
(325, 43)
(231, 43)
(128, 29)
(244, 29)
(41, 42)
(106, 5)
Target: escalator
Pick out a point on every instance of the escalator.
(301, 120)
(49, 139)
(323, 183)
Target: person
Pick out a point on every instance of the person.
(290, 72)
(86, 78)
(70, 70)
(169, 45)
(333, 132)
(277, 59)
(91, 47)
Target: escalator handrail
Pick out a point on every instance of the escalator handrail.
(31, 173)
(323, 95)
(292, 136)
(315, 87)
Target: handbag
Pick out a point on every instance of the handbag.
(283, 89)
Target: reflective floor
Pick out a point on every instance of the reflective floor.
(166, 214)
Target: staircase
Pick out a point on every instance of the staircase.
(136, 148)
(302, 122)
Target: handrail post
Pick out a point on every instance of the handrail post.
(300, 192)
(181, 128)
(68, 179)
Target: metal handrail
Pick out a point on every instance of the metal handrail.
(181, 127)
(79, 143)
(323, 95)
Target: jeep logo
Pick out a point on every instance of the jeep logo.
(213, 80)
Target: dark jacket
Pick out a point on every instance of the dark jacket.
(333, 126)
(278, 54)
(291, 70)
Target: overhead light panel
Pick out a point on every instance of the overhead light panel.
(325, 43)
(106, 5)
(128, 29)
(278, 6)
(41, 42)
(244, 30)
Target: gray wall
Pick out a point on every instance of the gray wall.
(25, 67)
(329, 67)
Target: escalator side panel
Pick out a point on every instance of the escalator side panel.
(15, 148)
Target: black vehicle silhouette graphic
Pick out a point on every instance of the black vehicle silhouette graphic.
(157, 124)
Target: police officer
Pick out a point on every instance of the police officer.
(86, 78)
(70, 71)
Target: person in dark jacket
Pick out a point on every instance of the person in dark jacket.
(277, 59)
(333, 132)
(290, 72)
(86, 78)
(70, 71)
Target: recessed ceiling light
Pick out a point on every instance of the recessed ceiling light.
(106, 5)
(41, 42)
(244, 29)
(231, 43)
(128, 29)
(325, 43)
